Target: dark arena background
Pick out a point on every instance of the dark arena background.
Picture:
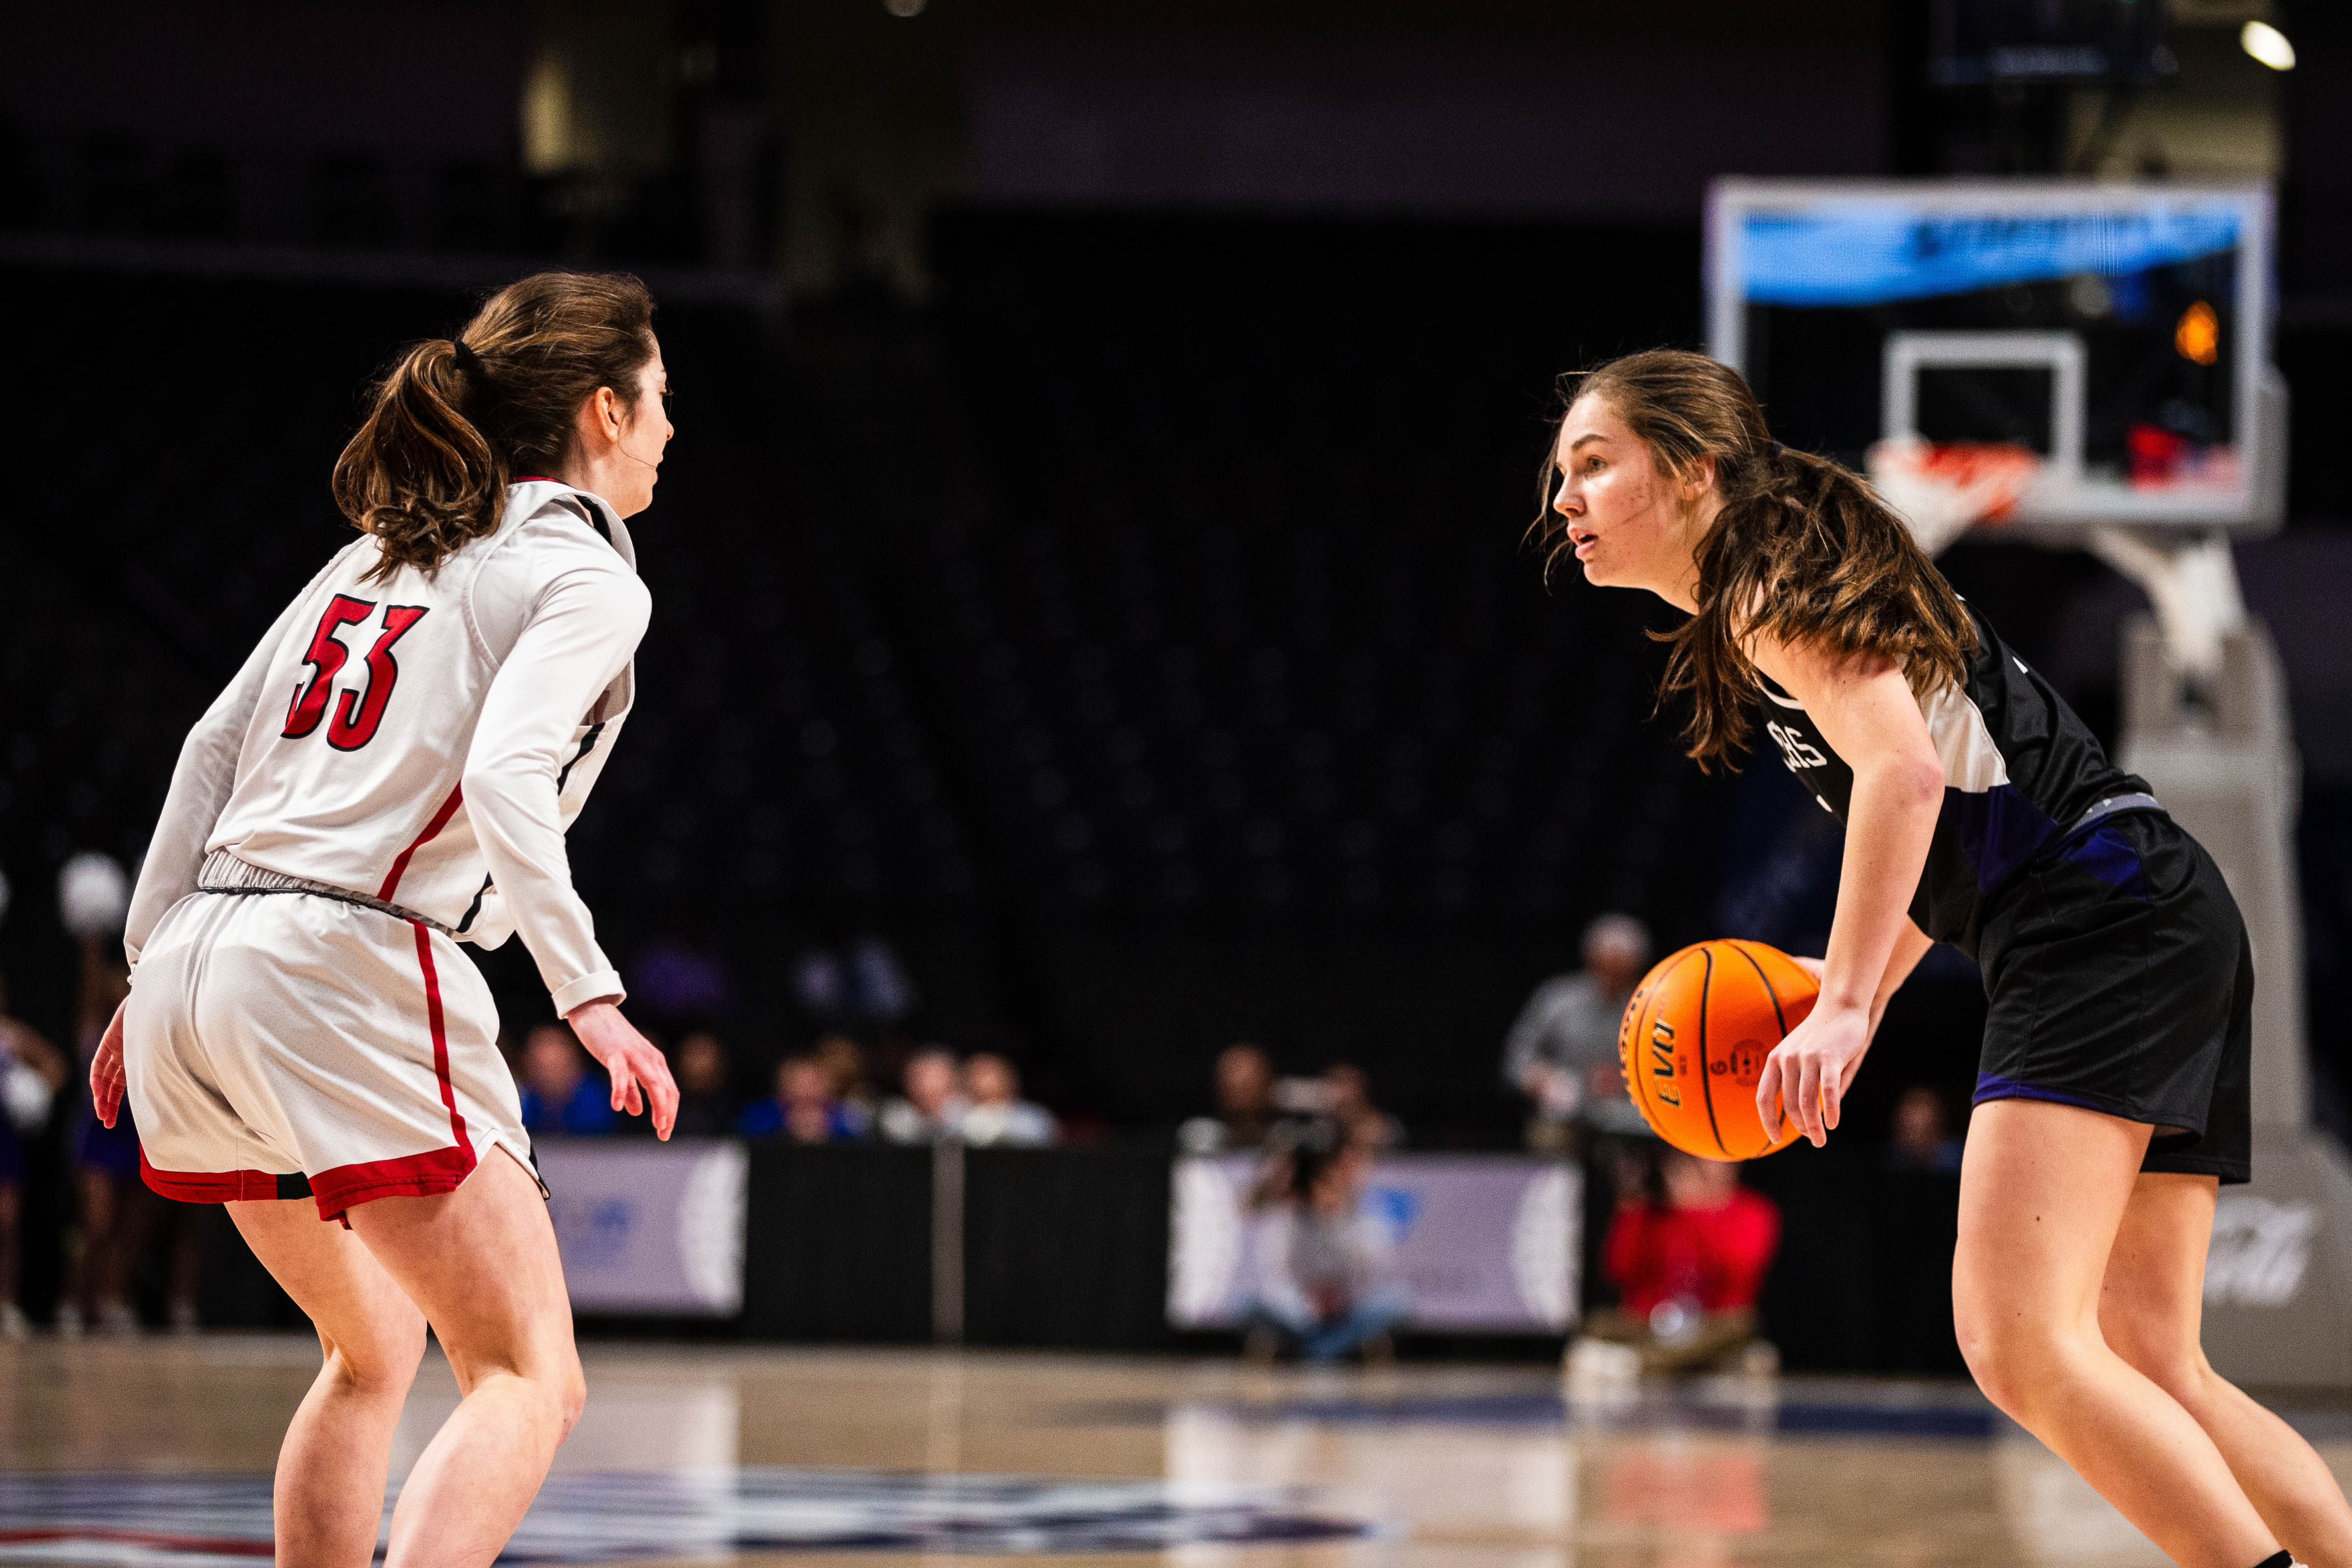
(1097, 624)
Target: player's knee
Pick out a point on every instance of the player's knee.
(1983, 1357)
(2173, 1364)
(2009, 1353)
(571, 1394)
(382, 1356)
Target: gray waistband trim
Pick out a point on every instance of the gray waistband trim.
(2136, 802)
(224, 873)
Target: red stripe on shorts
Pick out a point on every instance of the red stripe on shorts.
(400, 867)
(427, 1175)
(208, 1186)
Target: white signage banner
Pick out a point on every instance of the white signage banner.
(646, 1227)
(1477, 1243)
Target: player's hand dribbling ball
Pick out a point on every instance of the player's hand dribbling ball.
(1693, 1041)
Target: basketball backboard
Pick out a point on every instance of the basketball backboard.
(2122, 331)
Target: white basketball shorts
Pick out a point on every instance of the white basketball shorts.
(287, 1045)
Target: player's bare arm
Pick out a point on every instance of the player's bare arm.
(1864, 706)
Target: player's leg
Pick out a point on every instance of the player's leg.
(482, 1263)
(2043, 1189)
(12, 1311)
(2150, 1308)
(135, 1211)
(10, 1240)
(328, 1499)
(87, 1267)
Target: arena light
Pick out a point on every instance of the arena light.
(2268, 44)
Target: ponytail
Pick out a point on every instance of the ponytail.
(456, 420)
(420, 476)
(1803, 552)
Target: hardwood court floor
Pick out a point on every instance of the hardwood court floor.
(155, 1454)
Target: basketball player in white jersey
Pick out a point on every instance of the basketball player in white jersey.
(392, 772)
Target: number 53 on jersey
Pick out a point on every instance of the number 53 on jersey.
(359, 713)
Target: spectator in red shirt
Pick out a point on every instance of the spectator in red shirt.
(1688, 1261)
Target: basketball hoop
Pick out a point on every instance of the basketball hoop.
(1945, 488)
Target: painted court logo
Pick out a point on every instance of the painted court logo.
(201, 1521)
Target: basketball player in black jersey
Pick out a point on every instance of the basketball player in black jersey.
(2114, 1094)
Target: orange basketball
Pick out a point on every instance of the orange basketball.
(1693, 1041)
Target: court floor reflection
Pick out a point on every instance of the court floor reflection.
(155, 1454)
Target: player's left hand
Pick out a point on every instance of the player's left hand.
(106, 1080)
(640, 1073)
(1804, 1079)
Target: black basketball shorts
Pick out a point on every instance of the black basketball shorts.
(2120, 979)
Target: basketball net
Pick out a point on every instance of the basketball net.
(1945, 488)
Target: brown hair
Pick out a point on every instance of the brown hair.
(1803, 552)
(453, 421)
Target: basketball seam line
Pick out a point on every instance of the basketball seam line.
(1655, 986)
(1705, 1080)
(1778, 1017)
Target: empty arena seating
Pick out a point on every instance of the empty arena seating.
(1146, 682)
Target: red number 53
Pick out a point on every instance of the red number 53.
(357, 716)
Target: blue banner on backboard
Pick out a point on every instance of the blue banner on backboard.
(1867, 252)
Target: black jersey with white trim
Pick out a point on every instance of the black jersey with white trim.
(2020, 771)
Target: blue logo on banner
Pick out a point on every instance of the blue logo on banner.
(1870, 252)
(1397, 1207)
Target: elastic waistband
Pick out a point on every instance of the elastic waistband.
(224, 873)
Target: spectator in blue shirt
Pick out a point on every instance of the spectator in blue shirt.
(803, 1109)
(559, 1095)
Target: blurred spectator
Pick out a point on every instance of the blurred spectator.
(1920, 1140)
(1245, 1109)
(932, 1109)
(559, 1095)
(510, 1052)
(821, 985)
(1689, 1257)
(679, 980)
(1327, 1282)
(705, 1108)
(115, 1207)
(879, 986)
(844, 1061)
(32, 1071)
(803, 1109)
(1349, 1101)
(998, 1114)
(861, 981)
(119, 1213)
(1562, 1052)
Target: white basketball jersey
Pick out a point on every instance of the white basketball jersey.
(425, 738)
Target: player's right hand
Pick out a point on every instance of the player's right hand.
(106, 1070)
(640, 1075)
(1805, 1076)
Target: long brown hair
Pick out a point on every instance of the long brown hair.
(454, 421)
(1803, 552)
